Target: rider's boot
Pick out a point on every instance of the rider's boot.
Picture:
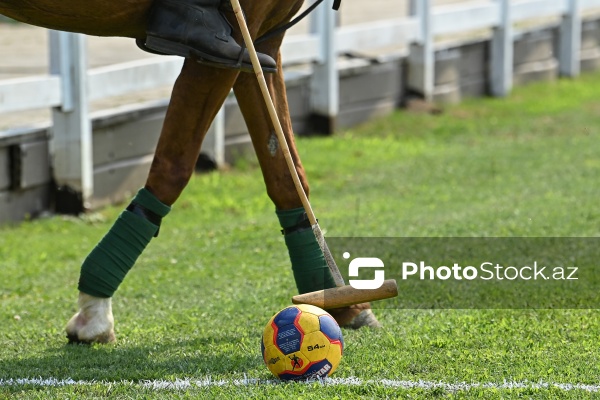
(197, 29)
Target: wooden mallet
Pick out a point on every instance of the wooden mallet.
(342, 295)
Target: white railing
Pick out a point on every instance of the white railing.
(22, 94)
(70, 86)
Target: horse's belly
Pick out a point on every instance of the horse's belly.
(92, 17)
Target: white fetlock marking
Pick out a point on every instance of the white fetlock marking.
(94, 322)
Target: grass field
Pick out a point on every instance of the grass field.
(190, 314)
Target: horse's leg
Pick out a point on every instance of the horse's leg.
(199, 93)
(310, 270)
(197, 96)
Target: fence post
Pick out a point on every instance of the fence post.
(219, 124)
(570, 40)
(501, 65)
(413, 7)
(324, 101)
(71, 142)
(422, 69)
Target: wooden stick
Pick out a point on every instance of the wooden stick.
(335, 272)
(347, 295)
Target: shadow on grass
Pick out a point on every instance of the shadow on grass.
(121, 362)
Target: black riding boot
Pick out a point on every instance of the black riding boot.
(197, 29)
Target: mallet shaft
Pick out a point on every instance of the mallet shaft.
(335, 272)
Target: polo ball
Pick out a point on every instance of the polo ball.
(302, 342)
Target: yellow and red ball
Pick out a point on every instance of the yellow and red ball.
(302, 342)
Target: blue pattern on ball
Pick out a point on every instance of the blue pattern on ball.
(287, 316)
(330, 328)
(317, 370)
(288, 339)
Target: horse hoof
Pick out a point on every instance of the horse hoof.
(355, 316)
(93, 323)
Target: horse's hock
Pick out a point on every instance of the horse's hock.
(124, 138)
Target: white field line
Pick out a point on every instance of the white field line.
(184, 384)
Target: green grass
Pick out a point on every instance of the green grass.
(195, 304)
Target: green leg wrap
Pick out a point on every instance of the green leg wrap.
(106, 266)
(308, 263)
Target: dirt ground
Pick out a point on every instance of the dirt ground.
(24, 52)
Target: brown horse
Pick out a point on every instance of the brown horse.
(198, 94)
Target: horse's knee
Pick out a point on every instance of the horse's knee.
(282, 190)
(168, 178)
